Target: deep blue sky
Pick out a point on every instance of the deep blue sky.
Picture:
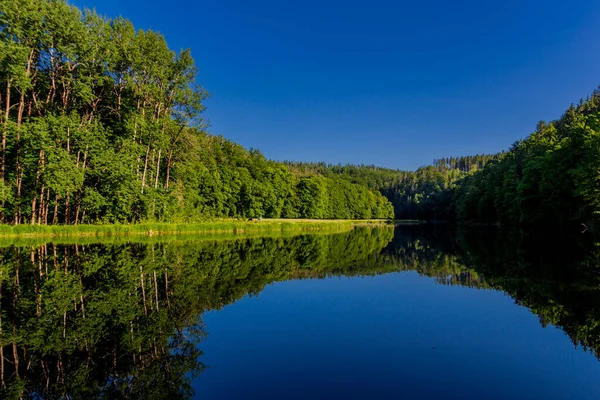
(381, 82)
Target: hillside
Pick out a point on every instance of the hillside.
(103, 123)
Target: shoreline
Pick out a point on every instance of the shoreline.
(216, 227)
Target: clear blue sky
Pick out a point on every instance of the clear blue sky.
(382, 82)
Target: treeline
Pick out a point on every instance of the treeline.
(551, 177)
(227, 180)
(421, 194)
(101, 122)
(464, 163)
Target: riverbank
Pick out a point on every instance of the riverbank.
(230, 226)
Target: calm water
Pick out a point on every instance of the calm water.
(373, 313)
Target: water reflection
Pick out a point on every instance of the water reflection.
(118, 320)
(123, 320)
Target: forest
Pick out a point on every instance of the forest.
(552, 177)
(424, 194)
(101, 123)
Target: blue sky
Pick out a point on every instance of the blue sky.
(389, 83)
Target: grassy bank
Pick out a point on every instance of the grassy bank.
(159, 229)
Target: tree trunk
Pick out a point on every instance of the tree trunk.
(167, 290)
(42, 205)
(15, 352)
(77, 208)
(35, 195)
(16, 291)
(55, 216)
(156, 290)
(64, 324)
(157, 169)
(19, 122)
(143, 290)
(67, 207)
(150, 176)
(170, 157)
(168, 169)
(83, 173)
(19, 180)
(84, 159)
(5, 132)
(47, 206)
(145, 167)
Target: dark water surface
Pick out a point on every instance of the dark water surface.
(409, 312)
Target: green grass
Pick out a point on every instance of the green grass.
(227, 226)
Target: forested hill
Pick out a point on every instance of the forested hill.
(550, 177)
(101, 122)
(422, 194)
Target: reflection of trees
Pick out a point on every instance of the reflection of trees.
(432, 253)
(555, 275)
(123, 320)
(90, 320)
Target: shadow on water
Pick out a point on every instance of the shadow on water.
(123, 320)
(555, 275)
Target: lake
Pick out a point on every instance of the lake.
(376, 312)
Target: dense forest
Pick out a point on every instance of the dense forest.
(551, 177)
(424, 194)
(101, 122)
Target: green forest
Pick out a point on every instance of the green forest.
(551, 177)
(102, 122)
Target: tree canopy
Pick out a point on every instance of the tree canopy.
(550, 177)
(102, 122)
